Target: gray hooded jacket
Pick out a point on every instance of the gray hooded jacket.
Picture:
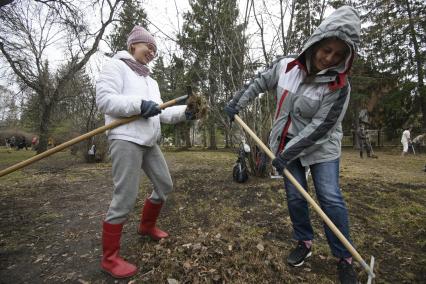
(310, 108)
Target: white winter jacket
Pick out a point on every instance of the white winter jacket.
(119, 93)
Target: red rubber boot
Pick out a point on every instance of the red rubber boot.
(147, 226)
(112, 263)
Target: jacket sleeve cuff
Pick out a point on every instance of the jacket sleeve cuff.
(173, 115)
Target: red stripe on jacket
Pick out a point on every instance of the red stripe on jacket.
(287, 125)
(285, 93)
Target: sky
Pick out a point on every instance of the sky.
(166, 21)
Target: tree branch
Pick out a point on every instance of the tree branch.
(9, 59)
(77, 66)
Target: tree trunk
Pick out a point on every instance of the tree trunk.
(282, 27)
(290, 31)
(212, 134)
(204, 137)
(226, 138)
(422, 94)
(44, 127)
(355, 140)
(379, 138)
(187, 135)
(212, 99)
(262, 33)
(177, 138)
(193, 129)
(419, 64)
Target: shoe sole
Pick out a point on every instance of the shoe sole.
(150, 236)
(302, 262)
(117, 276)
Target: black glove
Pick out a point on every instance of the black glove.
(189, 115)
(231, 111)
(280, 164)
(149, 108)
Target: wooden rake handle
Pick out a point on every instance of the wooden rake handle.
(310, 200)
(78, 139)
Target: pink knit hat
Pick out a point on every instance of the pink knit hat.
(139, 34)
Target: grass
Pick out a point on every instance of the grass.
(11, 156)
(220, 231)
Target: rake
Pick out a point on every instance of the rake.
(83, 137)
(311, 201)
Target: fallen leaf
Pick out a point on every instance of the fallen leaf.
(39, 258)
(196, 246)
(187, 264)
(172, 281)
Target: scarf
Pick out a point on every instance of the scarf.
(138, 68)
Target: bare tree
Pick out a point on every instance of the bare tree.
(8, 108)
(261, 26)
(30, 31)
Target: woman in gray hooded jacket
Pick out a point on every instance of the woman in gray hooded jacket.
(312, 94)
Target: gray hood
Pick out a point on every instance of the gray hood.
(343, 23)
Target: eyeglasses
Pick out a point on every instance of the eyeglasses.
(152, 48)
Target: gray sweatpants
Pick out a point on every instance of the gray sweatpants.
(127, 160)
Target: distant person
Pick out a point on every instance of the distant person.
(364, 142)
(7, 143)
(405, 141)
(23, 143)
(12, 141)
(8, 146)
(418, 142)
(420, 139)
(92, 153)
(34, 142)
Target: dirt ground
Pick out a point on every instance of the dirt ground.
(221, 232)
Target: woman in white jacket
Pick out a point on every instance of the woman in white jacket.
(405, 141)
(124, 89)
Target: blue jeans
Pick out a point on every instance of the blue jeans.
(325, 177)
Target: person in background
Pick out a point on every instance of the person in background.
(405, 141)
(13, 141)
(23, 143)
(34, 142)
(92, 153)
(364, 143)
(420, 139)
